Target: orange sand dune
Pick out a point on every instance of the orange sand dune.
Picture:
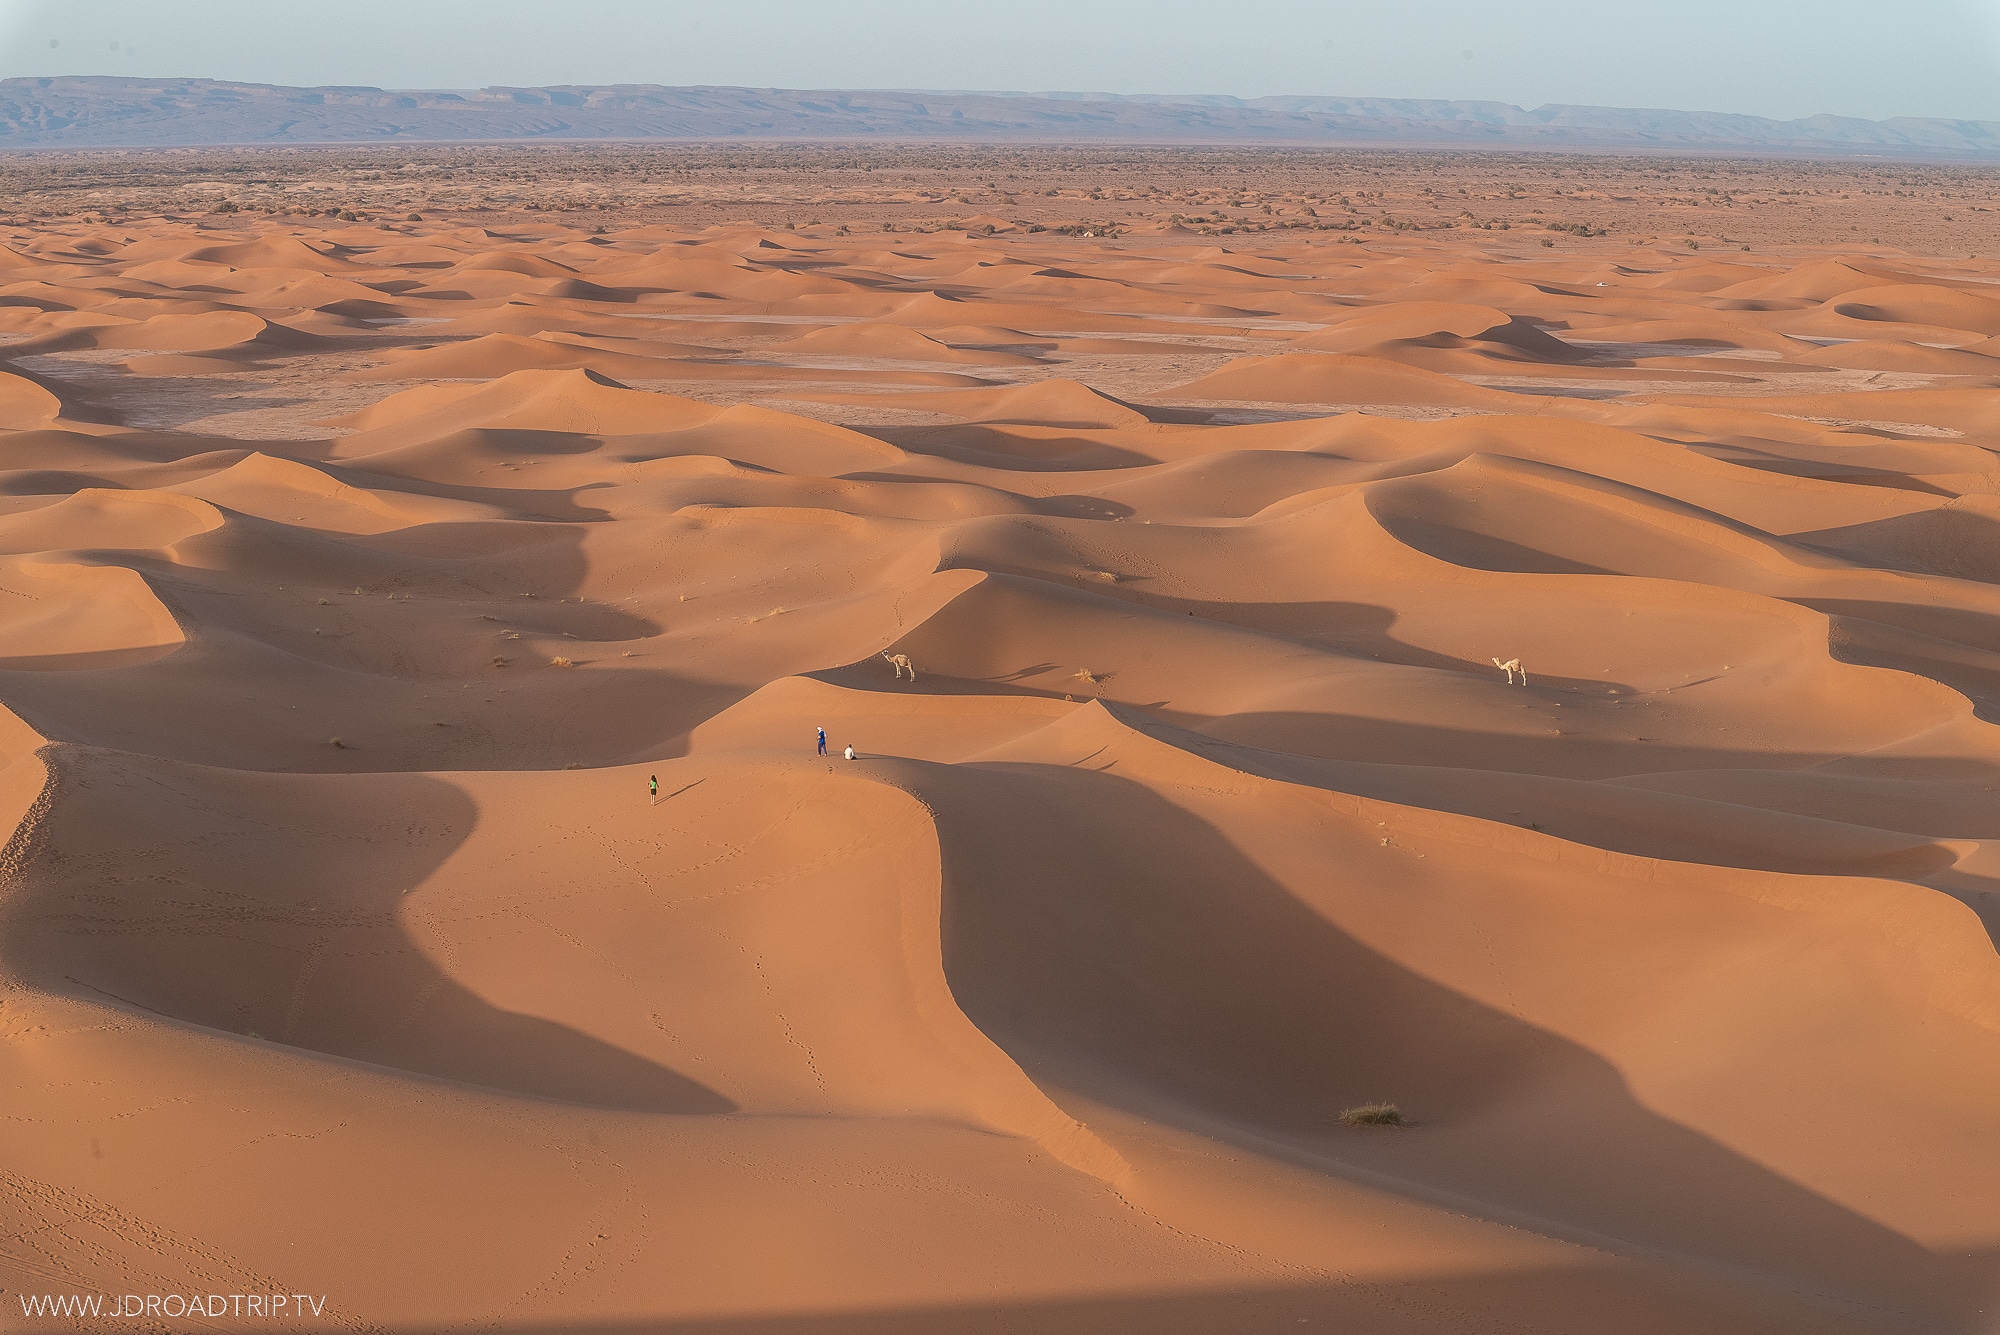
(1319, 377)
(1921, 304)
(500, 354)
(348, 951)
(211, 332)
(1876, 355)
(1411, 319)
(1712, 331)
(522, 315)
(896, 342)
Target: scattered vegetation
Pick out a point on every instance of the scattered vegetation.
(908, 188)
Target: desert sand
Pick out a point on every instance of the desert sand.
(359, 578)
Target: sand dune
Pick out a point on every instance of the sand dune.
(895, 342)
(1338, 378)
(501, 354)
(1877, 355)
(355, 586)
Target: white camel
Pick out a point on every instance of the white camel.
(1510, 667)
(901, 663)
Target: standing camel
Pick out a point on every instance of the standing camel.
(901, 663)
(1510, 667)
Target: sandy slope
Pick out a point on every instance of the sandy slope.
(354, 585)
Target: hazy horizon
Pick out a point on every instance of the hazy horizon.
(1785, 59)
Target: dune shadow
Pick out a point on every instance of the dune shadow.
(1336, 736)
(374, 667)
(1182, 983)
(1082, 507)
(994, 447)
(1462, 546)
(1362, 629)
(273, 910)
(1580, 1300)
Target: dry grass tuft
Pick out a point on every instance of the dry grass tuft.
(562, 662)
(1089, 678)
(336, 743)
(1374, 1114)
(499, 661)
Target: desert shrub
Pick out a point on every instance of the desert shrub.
(562, 662)
(1374, 1114)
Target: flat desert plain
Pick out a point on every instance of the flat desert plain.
(358, 579)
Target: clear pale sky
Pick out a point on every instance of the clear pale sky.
(1784, 58)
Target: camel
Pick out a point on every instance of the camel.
(1510, 667)
(901, 663)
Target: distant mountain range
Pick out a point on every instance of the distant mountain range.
(134, 113)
